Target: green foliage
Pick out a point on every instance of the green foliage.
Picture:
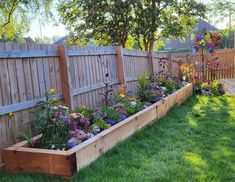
(26, 136)
(160, 45)
(101, 123)
(215, 88)
(107, 22)
(155, 19)
(169, 84)
(118, 22)
(228, 39)
(221, 10)
(132, 109)
(144, 94)
(16, 16)
(87, 112)
(111, 113)
(143, 80)
(208, 88)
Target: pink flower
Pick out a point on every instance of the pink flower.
(122, 110)
(75, 115)
(74, 132)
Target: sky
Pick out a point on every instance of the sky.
(48, 30)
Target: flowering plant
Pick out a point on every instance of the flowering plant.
(63, 129)
(51, 123)
(207, 41)
(187, 70)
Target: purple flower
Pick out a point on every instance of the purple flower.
(68, 121)
(110, 121)
(57, 114)
(96, 115)
(144, 107)
(196, 77)
(122, 116)
(85, 121)
(75, 124)
(71, 145)
(104, 114)
(157, 99)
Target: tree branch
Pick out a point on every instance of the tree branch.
(14, 5)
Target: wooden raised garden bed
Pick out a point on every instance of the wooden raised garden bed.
(21, 158)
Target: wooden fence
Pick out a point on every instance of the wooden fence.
(222, 67)
(76, 73)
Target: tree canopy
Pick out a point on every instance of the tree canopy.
(115, 21)
(16, 16)
(221, 10)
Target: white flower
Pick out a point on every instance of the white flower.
(164, 88)
(55, 107)
(64, 107)
(133, 103)
(52, 146)
(81, 115)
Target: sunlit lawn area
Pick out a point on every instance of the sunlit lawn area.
(194, 142)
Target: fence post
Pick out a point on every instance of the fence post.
(150, 63)
(120, 66)
(65, 76)
(170, 69)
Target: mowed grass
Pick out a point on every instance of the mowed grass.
(194, 142)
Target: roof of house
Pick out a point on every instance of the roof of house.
(204, 24)
(61, 41)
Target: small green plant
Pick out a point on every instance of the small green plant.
(26, 136)
(143, 93)
(101, 123)
(215, 88)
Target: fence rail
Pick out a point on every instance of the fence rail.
(77, 74)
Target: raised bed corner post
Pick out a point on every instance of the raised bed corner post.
(65, 76)
(150, 64)
(120, 66)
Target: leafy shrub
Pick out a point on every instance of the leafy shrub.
(143, 93)
(215, 88)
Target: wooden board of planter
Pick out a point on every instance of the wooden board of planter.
(21, 158)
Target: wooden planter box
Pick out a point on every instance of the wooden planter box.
(21, 158)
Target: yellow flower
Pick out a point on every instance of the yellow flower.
(52, 91)
(121, 95)
(132, 99)
(54, 100)
(11, 114)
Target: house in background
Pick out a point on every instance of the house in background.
(65, 38)
(29, 40)
(187, 43)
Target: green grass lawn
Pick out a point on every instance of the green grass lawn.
(194, 142)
